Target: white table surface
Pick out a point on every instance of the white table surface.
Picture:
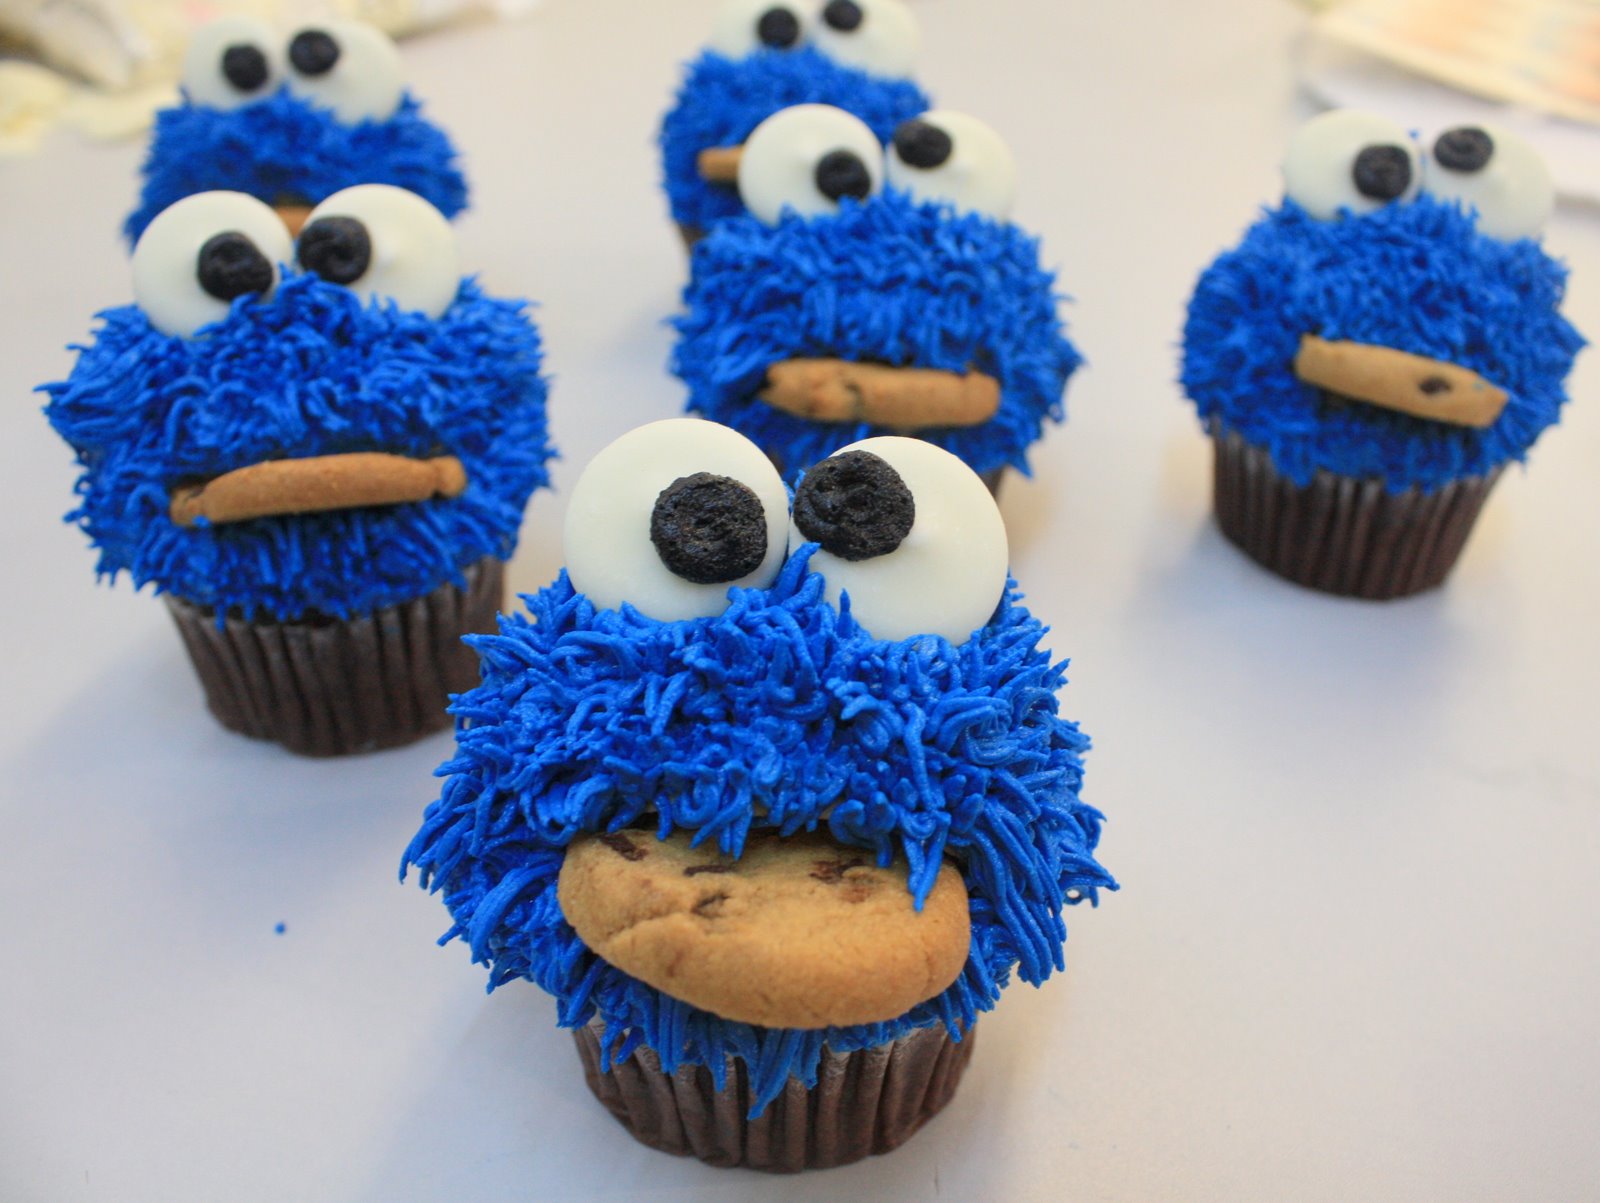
(1355, 951)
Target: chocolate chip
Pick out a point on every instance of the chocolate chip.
(710, 907)
(245, 67)
(622, 846)
(709, 529)
(842, 173)
(1465, 148)
(832, 871)
(1382, 172)
(313, 52)
(855, 505)
(778, 28)
(922, 144)
(230, 265)
(338, 249)
(695, 870)
(843, 15)
(1434, 384)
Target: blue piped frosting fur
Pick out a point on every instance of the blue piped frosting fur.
(311, 371)
(723, 99)
(762, 717)
(1415, 277)
(287, 146)
(887, 280)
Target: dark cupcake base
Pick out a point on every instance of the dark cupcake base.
(864, 1102)
(690, 235)
(331, 688)
(1339, 534)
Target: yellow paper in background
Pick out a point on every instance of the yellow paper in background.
(1539, 54)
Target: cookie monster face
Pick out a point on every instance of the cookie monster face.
(839, 309)
(713, 671)
(327, 439)
(1394, 318)
(766, 55)
(291, 123)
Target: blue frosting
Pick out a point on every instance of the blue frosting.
(312, 371)
(890, 280)
(1416, 277)
(588, 720)
(723, 99)
(286, 146)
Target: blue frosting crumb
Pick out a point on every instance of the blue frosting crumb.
(286, 146)
(1416, 277)
(312, 371)
(760, 718)
(889, 280)
(723, 99)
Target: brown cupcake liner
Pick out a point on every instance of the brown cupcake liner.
(866, 1102)
(1340, 534)
(690, 235)
(322, 687)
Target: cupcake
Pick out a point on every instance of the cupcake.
(773, 803)
(291, 122)
(862, 297)
(766, 55)
(322, 466)
(1377, 349)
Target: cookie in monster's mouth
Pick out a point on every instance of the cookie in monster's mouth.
(755, 779)
(326, 426)
(293, 119)
(871, 294)
(1395, 317)
(765, 55)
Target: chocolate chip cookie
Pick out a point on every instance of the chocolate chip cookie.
(799, 932)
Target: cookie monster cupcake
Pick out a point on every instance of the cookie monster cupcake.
(773, 804)
(292, 121)
(862, 297)
(1377, 349)
(766, 55)
(321, 466)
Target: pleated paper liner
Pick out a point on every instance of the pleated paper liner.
(864, 1102)
(1340, 534)
(325, 687)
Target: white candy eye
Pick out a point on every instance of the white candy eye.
(1347, 159)
(879, 36)
(202, 252)
(386, 244)
(743, 27)
(1495, 172)
(909, 532)
(672, 515)
(348, 67)
(808, 158)
(231, 61)
(954, 158)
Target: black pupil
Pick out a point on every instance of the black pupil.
(709, 529)
(229, 265)
(778, 28)
(313, 52)
(843, 15)
(1466, 149)
(841, 173)
(1382, 172)
(245, 67)
(337, 248)
(922, 144)
(855, 505)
